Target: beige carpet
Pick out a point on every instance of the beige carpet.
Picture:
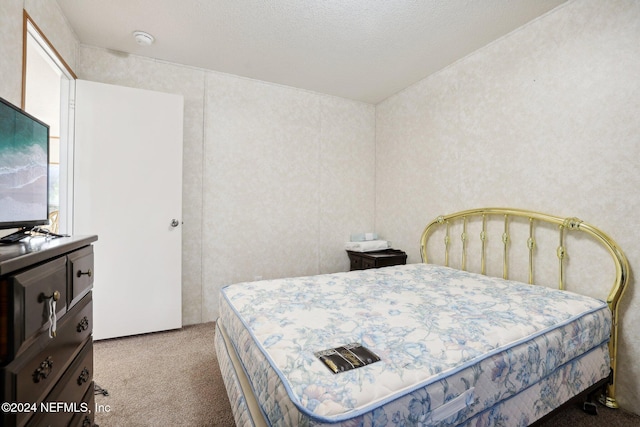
(172, 379)
(162, 379)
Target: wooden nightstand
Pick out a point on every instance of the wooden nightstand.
(376, 259)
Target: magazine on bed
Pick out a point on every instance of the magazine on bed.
(347, 357)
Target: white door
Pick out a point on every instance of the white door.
(128, 191)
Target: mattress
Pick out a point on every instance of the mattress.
(454, 347)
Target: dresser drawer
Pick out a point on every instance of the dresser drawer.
(80, 273)
(356, 263)
(33, 290)
(31, 377)
(66, 399)
(85, 419)
(368, 263)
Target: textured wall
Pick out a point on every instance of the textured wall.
(288, 176)
(11, 50)
(543, 119)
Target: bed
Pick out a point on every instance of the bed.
(426, 344)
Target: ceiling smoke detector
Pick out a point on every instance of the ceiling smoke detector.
(143, 39)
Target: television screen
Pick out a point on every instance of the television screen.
(24, 162)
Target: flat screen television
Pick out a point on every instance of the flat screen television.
(24, 169)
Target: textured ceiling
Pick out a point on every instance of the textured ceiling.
(358, 49)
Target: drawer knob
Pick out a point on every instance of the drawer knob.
(55, 296)
(84, 273)
(84, 376)
(46, 366)
(83, 324)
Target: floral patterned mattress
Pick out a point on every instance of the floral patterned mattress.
(454, 347)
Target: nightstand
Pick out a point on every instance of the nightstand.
(376, 259)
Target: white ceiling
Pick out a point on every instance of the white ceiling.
(359, 49)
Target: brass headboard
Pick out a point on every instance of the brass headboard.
(563, 225)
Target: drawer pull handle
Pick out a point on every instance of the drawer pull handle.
(83, 324)
(84, 376)
(83, 273)
(51, 311)
(54, 296)
(86, 422)
(46, 366)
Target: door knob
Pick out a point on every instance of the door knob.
(175, 223)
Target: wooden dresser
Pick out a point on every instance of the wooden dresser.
(46, 347)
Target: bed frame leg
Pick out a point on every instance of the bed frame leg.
(608, 397)
(590, 408)
(609, 402)
(601, 395)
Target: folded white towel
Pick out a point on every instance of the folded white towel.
(364, 237)
(368, 246)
